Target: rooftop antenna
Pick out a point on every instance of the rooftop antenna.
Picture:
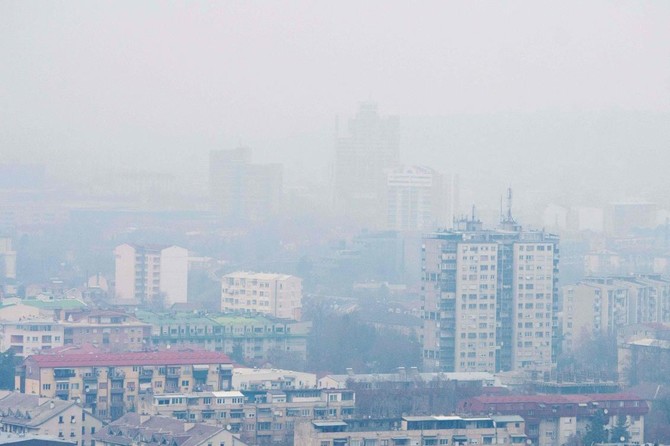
(509, 217)
(502, 217)
(473, 212)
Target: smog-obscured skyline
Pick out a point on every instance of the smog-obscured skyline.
(552, 100)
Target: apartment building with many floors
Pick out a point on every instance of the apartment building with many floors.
(606, 304)
(278, 295)
(489, 298)
(109, 384)
(260, 417)
(151, 274)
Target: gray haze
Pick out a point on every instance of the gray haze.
(570, 99)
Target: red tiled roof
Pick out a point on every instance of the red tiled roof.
(76, 358)
(555, 399)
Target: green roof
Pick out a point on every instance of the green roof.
(198, 319)
(59, 304)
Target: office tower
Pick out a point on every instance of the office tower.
(489, 298)
(151, 274)
(361, 159)
(278, 295)
(417, 199)
(242, 191)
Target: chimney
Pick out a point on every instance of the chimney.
(414, 371)
(350, 371)
(401, 372)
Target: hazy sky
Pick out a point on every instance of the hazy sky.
(128, 82)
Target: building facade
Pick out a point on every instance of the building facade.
(412, 431)
(489, 298)
(249, 338)
(277, 295)
(416, 199)
(109, 384)
(260, 417)
(551, 420)
(151, 273)
(605, 305)
(30, 415)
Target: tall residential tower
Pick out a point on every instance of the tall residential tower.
(489, 298)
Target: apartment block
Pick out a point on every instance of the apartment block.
(146, 273)
(149, 430)
(28, 336)
(551, 420)
(109, 384)
(412, 431)
(605, 305)
(489, 298)
(261, 417)
(30, 415)
(278, 295)
(254, 337)
(108, 330)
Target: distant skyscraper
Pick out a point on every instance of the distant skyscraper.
(418, 199)
(150, 273)
(361, 160)
(244, 192)
(489, 298)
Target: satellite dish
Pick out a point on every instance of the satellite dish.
(228, 427)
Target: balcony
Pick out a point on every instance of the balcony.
(116, 374)
(116, 390)
(64, 374)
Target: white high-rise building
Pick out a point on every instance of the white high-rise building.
(488, 298)
(418, 199)
(148, 273)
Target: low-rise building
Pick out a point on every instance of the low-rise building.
(411, 431)
(110, 383)
(404, 379)
(248, 338)
(30, 415)
(30, 335)
(109, 330)
(147, 430)
(272, 379)
(261, 417)
(552, 420)
(279, 295)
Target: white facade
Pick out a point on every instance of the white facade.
(278, 295)
(415, 198)
(271, 379)
(476, 280)
(147, 273)
(533, 293)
